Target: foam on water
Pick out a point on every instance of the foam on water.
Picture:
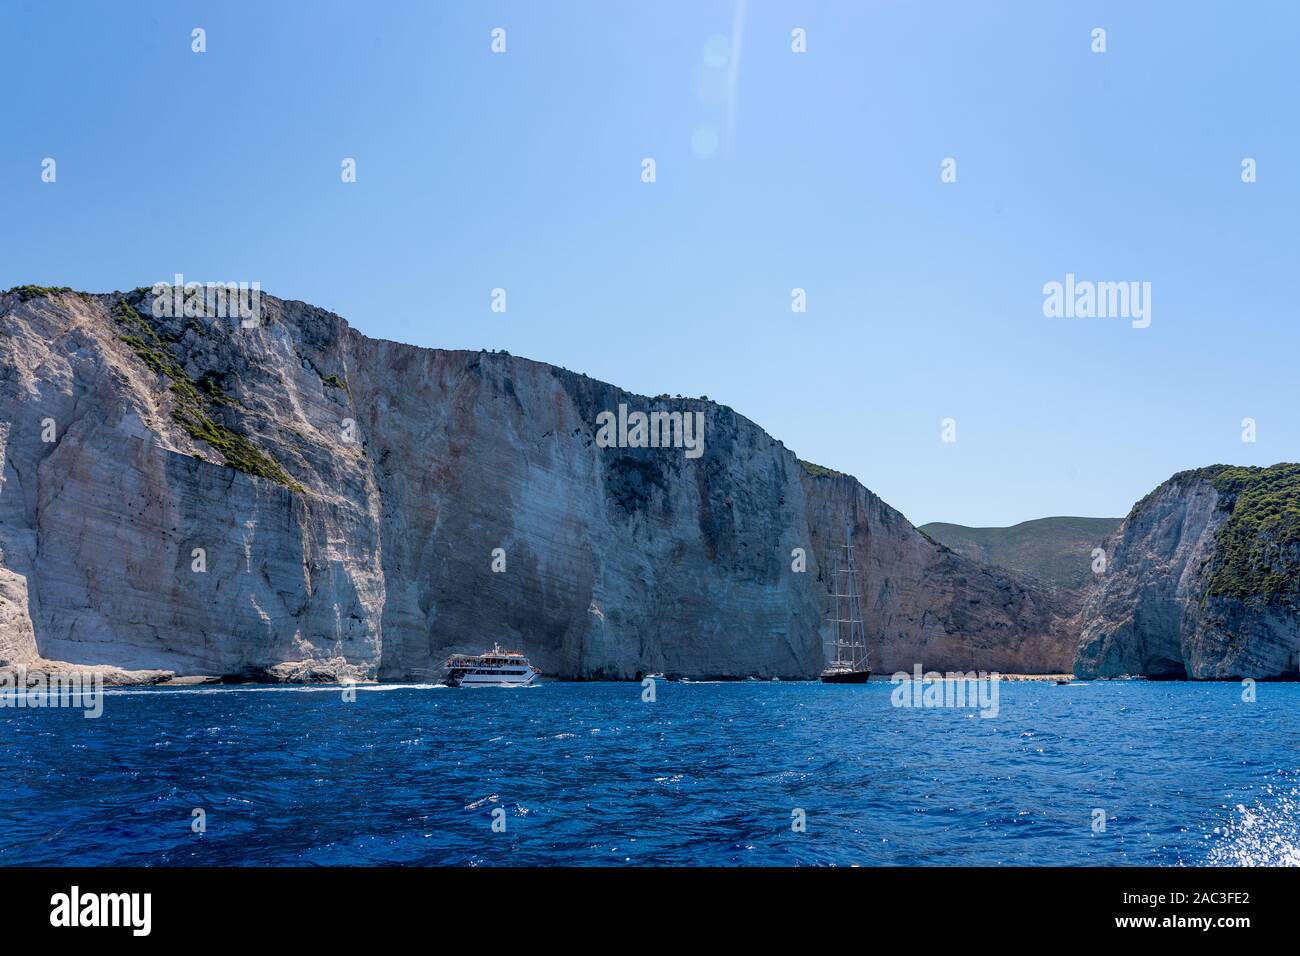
(287, 689)
(1266, 834)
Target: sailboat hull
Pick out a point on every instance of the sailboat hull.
(846, 677)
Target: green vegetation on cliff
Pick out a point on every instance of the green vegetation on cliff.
(26, 293)
(1257, 552)
(820, 471)
(1056, 550)
(192, 403)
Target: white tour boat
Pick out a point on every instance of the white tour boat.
(494, 668)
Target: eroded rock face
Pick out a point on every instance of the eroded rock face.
(104, 522)
(1155, 612)
(129, 540)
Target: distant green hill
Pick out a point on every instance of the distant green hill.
(1056, 550)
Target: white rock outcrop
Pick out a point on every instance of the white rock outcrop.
(296, 501)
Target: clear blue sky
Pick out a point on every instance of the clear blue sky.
(522, 171)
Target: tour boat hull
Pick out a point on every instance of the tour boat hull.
(846, 677)
(494, 680)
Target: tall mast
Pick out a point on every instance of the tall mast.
(858, 639)
(846, 608)
(835, 588)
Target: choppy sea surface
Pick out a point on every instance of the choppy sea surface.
(707, 774)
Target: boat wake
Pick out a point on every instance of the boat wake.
(1267, 834)
(278, 689)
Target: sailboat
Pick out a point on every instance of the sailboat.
(844, 613)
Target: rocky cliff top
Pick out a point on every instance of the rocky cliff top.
(1257, 553)
(1201, 580)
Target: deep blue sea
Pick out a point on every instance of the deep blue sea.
(589, 774)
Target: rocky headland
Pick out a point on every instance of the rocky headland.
(1202, 581)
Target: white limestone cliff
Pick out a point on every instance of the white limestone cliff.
(344, 497)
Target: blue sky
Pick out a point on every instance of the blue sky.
(522, 170)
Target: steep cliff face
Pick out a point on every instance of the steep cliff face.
(1202, 581)
(134, 544)
(295, 500)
